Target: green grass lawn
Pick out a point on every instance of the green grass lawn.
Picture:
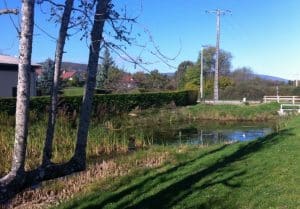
(73, 91)
(259, 174)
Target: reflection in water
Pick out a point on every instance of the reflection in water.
(199, 133)
(204, 137)
(208, 134)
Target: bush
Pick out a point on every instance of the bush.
(110, 103)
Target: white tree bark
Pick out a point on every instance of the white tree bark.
(23, 92)
(17, 173)
(47, 154)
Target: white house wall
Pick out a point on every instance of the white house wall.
(32, 84)
(8, 80)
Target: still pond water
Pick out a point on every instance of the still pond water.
(207, 133)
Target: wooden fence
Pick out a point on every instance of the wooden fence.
(282, 99)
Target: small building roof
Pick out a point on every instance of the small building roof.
(128, 79)
(68, 74)
(9, 60)
(39, 71)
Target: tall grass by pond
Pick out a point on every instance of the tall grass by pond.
(110, 136)
(104, 140)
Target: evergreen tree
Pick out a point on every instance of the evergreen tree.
(44, 82)
(103, 70)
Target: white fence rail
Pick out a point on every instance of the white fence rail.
(289, 108)
(282, 99)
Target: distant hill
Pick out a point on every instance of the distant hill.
(74, 66)
(71, 66)
(272, 78)
(264, 77)
(168, 74)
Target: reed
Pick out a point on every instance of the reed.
(106, 138)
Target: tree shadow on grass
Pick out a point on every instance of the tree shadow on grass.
(181, 185)
(148, 178)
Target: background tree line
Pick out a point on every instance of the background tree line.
(233, 84)
(110, 78)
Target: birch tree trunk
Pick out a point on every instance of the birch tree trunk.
(96, 38)
(17, 174)
(47, 153)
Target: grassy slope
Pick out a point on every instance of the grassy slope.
(258, 174)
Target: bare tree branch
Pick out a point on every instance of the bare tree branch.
(9, 11)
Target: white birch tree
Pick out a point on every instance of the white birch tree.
(10, 182)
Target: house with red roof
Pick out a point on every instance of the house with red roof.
(9, 76)
(128, 82)
(69, 75)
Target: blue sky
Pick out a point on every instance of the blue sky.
(261, 34)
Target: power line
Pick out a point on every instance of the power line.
(218, 13)
(45, 32)
(12, 11)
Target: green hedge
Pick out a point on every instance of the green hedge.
(111, 103)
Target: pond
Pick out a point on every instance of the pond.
(206, 133)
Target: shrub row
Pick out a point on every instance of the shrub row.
(111, 103)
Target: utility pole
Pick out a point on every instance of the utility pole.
(218, 13)
(296, 81)
(201, 94)
(201, 74)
